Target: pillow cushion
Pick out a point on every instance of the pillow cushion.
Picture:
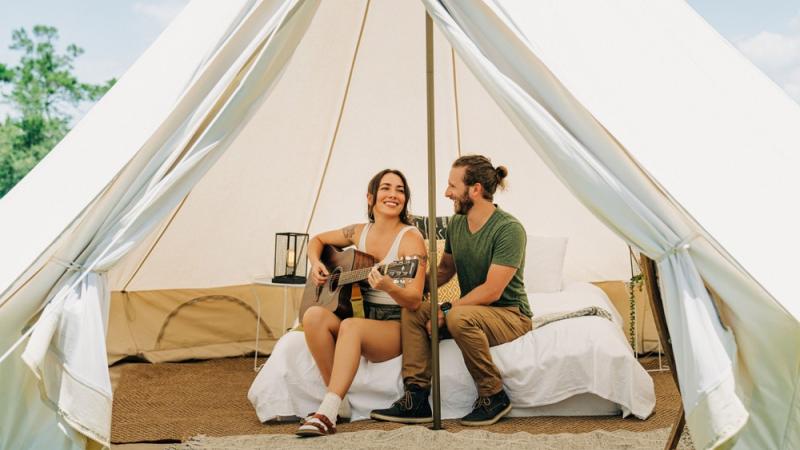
(449, 291)
(421, 222)
(544, 263)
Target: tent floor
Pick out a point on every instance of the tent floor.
(171, 402)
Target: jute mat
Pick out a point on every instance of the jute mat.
(175, 401)
(420, 437)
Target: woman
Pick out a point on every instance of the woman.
(337, 345)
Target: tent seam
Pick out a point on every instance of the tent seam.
(126, 307)
(341, 113)
(229, 298)
(218, 105)
(155, 243)
(455, 100)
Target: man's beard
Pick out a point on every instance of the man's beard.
(463, 205)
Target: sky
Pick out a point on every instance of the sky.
(765, 31)
(114, 33)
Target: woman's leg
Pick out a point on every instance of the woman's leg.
(321, 327)
(377, 340)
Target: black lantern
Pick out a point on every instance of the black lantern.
(290, 258)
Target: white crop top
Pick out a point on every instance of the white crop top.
(375, 295)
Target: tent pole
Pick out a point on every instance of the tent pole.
(657, 305)
(432, 282)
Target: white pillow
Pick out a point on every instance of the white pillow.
(544, 263)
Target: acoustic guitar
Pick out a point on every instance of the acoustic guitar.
(346, 267)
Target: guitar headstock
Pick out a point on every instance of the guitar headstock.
(403, 268)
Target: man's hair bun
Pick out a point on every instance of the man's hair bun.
(502, 172)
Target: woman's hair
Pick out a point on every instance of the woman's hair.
(372, 189)
(480, 170)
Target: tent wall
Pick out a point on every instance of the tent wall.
(181, 324)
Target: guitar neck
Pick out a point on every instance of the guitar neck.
(354, 276)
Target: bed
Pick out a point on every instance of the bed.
(576, 366)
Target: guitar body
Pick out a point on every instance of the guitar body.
(332, 295)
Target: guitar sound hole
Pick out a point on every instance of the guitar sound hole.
(333, 281)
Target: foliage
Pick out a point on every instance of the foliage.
(38, 89)
(635, 284)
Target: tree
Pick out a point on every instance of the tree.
(41, 85)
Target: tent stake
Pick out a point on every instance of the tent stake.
(432, 282)
(657, 305)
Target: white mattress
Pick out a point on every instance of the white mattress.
(579, 366)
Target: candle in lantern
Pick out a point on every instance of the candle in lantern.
(290, 261)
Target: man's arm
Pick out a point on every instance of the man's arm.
(485, 294)
(490, 291)
(446, 269)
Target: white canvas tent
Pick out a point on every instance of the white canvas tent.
(248, 118)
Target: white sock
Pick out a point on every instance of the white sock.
(330, 406)
(344, 408)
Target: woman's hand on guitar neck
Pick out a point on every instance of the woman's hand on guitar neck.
(319, 273)
(378, 281)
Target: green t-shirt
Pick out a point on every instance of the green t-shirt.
(501, 240)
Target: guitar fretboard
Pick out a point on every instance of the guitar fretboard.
(357, 275)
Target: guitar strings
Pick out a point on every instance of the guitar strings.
(353, 275)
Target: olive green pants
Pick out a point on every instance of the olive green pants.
(474, 328)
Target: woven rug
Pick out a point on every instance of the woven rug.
(420, 437)
(176, 401)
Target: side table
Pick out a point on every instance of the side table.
(285, 324)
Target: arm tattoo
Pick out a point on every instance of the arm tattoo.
(349, 231)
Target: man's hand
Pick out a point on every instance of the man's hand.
(319, 273)
(441, 322)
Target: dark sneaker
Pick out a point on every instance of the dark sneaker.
(413, 407)
(488, 410)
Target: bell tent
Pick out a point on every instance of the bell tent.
(622, 124)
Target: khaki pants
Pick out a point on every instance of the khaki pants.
(475, 329)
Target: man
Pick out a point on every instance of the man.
(485, 247)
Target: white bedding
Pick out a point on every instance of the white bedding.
(584, 355)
